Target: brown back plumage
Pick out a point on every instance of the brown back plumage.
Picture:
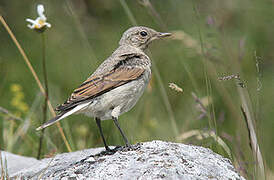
(96, 85)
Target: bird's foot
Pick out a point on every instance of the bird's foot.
(129, 147)
(109, 151)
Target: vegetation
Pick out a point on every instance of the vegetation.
(220, 55)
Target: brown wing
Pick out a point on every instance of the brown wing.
(97, 85)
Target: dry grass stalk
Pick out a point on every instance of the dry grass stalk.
(10, 115)
(187, 40)
(35, 77)
(253, 140)
(200, 106)
(4, 168)
(153, 13)
(200, 135)
(229, 77)
(175, 87)
(237, 77)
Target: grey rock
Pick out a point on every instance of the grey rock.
(149, 160)
(15, 162)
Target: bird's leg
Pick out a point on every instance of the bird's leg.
(115, 119)
(98, 122)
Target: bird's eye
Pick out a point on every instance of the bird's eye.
(143, 33)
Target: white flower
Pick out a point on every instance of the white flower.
(40, 21)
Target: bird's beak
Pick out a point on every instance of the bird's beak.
(160, 34)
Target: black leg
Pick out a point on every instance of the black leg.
(98, 122)
(118, 126)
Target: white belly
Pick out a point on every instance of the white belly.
(124, 97)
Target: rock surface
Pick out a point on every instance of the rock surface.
(149, 160)
(15, 162)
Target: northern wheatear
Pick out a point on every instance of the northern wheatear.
(116, 85)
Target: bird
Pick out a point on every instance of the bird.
(116, 85)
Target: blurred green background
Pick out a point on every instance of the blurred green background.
(211, 39)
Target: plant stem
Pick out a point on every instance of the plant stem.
(46, 93)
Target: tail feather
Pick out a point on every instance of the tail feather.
(63, 115)
(50, 122)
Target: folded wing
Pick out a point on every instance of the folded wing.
(97, 85)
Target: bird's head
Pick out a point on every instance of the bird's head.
(140, 36)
